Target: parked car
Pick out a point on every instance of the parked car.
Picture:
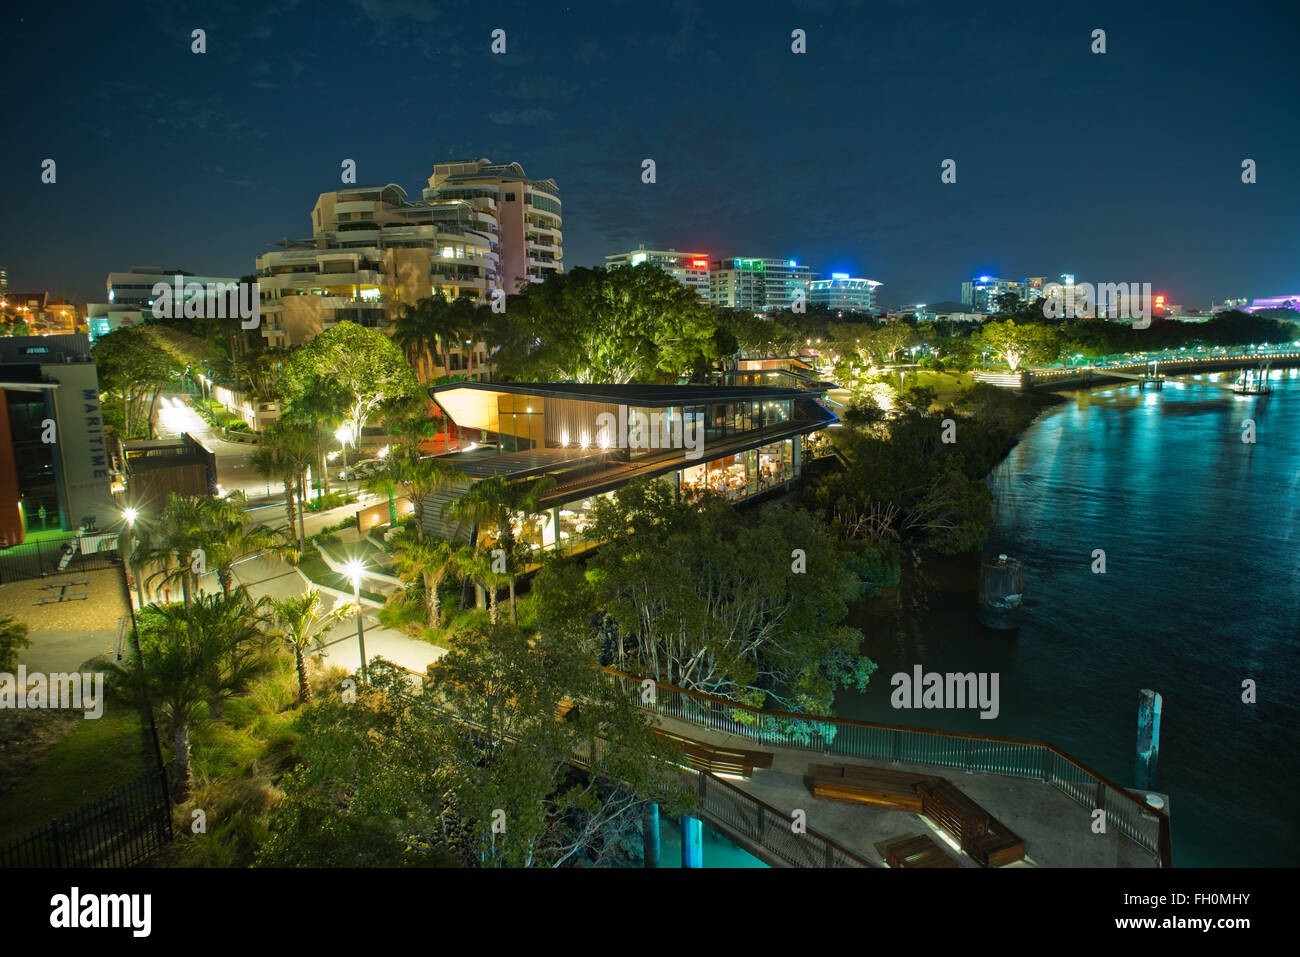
(361, 470)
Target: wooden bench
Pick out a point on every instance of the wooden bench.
(954, 812)
(717, 760)
(879, 787)
(998, 846)
(919, 850)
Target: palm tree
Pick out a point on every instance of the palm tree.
(300, 624)
(430, 560)
(174, 536)
(181, 649)
(230, 537)
(413, 333)
(418, 478)
(477, 566)
(269, 461)
(494, 505)
(288, 449)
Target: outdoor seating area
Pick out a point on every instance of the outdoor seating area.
(987, 841)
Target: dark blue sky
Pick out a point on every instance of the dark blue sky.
(1117, 167)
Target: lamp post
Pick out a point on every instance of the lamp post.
(353, 570)
(129, 515)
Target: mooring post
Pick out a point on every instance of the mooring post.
(1148, 739)
(650, 834)
(692, 842)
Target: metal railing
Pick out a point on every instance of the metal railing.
(119, 830)
(746, 820)
(738, 815)
(1032, 760)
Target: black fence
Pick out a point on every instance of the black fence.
(122, 829)
(42, 558)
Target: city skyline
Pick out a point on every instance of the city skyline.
(206, 170)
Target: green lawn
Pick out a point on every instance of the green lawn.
(98, 756)
(947, 384)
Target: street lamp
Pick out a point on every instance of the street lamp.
(129, 515)
(353, 569)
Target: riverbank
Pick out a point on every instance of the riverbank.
(1163, 484)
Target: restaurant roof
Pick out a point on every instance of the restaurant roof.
(655, 396)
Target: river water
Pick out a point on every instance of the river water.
(1201, 534)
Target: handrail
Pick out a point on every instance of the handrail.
(1162, 845)
(830, 852)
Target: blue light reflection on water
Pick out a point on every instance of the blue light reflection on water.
(1201, 534)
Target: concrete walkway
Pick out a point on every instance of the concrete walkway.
(270, 576)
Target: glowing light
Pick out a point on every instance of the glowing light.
(129, 515)
(700, 263)
(354, 569)
(839, 275)
(382, 453)
(343, 434)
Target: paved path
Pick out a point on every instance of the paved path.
(270, 576)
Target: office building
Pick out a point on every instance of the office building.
(49, 388)
(842, 293)
(763, 286)
(689, 269)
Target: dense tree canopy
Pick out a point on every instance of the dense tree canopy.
(631, 324)
(361, 366)
(747, 608)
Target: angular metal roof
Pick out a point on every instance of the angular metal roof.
(650, 396)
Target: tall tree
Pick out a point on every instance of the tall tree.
(1032, 342)
(182, 648)
(417, 478)
(364, 366)
(431, 561)
(301, 623)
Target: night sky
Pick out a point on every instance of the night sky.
(1117, 167)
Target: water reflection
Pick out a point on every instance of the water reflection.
(1202, 590)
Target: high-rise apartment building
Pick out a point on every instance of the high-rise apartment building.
(843, 293)
(689, 269)
(527, 214)
(760, 285)
(371, 251)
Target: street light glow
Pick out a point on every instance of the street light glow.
(343, 433)
(129, 514)
(353, 569)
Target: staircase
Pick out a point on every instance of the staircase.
(447, 527)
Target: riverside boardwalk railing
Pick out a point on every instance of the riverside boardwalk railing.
(744, 819)
(1033, 760)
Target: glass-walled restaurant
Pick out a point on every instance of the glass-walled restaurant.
(566, 527)
(593, 439)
